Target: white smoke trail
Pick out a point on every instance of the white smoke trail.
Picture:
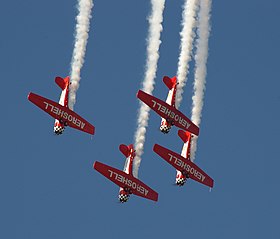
(200, 66)
(82, 29)
(155, 29)
(187, 37)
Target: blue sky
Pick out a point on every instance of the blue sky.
(49, 189)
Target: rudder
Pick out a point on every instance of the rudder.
(126, 150)
(62, 83)
(184, 135)
(170, 82)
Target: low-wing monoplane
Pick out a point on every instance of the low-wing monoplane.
(60, 111)
(182, 163)
(167, 110)
(124, 179)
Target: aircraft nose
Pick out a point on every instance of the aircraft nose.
(165, 129)
(58, 129)
(123, 197)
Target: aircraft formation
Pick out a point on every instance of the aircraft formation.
(125, 179)
(196, 14)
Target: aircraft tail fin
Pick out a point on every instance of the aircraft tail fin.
(126, 150)
(62, 83)
(184, 135)
(170, 82)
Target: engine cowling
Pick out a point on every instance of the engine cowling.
(58, 128)
(181, 178)
(124, 195)
(180, 181)
(165, 128)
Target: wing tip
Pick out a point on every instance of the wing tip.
(197, 130)
(95, 165)
(155, 147)
(156, 197)
(92, 131)
(212, 184)
(30, 94)
(139, 93)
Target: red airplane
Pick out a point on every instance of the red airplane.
(170, 115)
(124, 179)
(182, 163)
(61, 112)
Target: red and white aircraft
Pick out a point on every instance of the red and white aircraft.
(61, 112)
(170, 115)
(124, 179)
(182, 163)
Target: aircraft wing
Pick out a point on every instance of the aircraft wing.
(125, 180)
(168, 112)
(184, 165)
(59, 112)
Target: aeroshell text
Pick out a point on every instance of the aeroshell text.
(64, 115)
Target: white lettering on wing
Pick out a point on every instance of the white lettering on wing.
(184, 166)
(83, 125)
(67, 116)
(169, 114)
(55, 110)
(128, 182)
(46, 107)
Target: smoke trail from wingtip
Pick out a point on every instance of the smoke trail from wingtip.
(155, 29)
(187, 37)
(200, 66)
(81, 37)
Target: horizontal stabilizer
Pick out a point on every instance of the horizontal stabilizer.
(62, 83)
(126, 150)
(170, 82)
(184, 135)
